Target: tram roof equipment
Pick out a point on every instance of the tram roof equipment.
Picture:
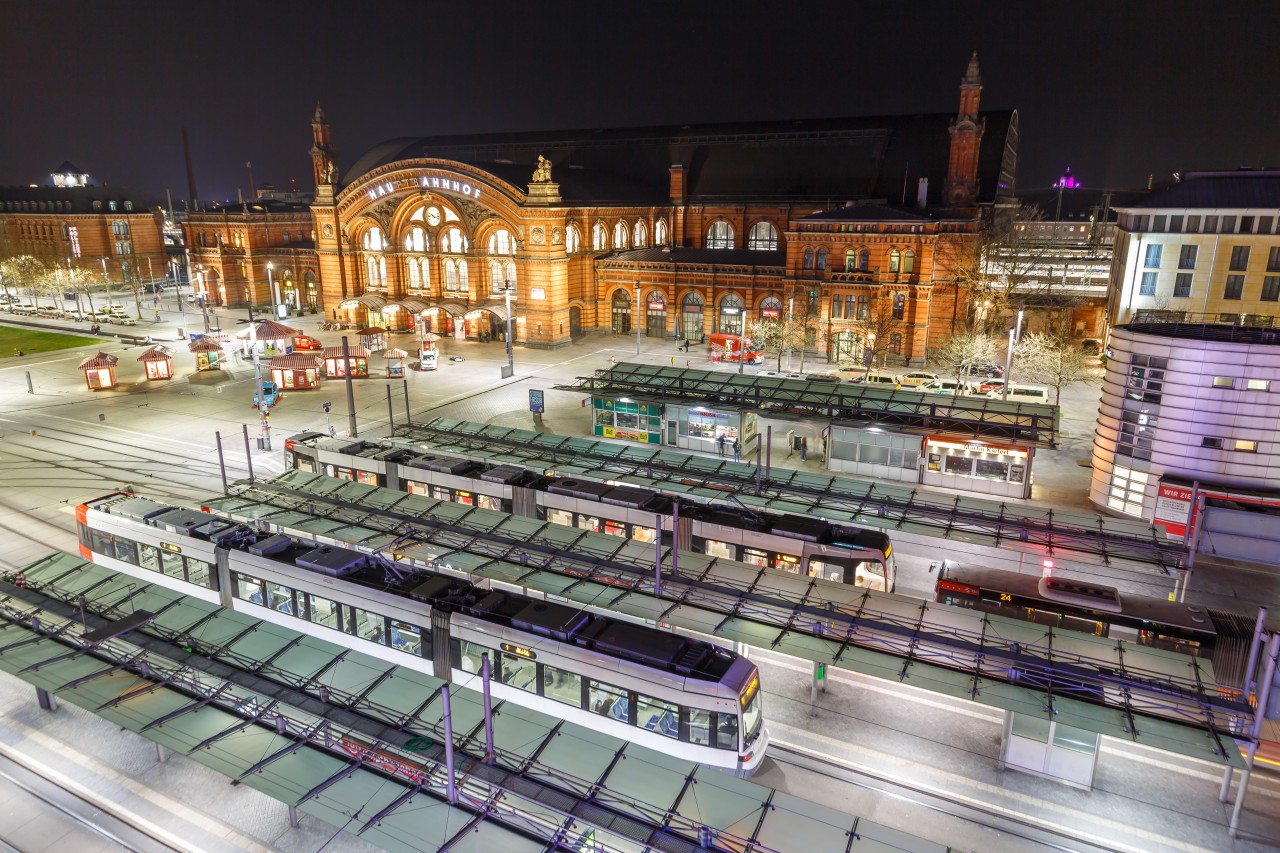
(785, 490)
(1162, 699)
(219, 686)
(970, 417)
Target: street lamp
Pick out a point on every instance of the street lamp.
(275, 294)
(637, 318)
(1015, 335)
(510, 369)
(106, 279)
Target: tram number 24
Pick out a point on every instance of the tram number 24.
(1004, 596)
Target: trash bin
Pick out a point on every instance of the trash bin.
(262, 443)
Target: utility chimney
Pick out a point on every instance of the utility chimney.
(922, 193)
(191, 172)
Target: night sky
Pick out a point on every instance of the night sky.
(1116, 90)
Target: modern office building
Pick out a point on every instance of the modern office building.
(677, 231)
(1188, 433)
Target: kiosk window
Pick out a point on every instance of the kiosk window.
(961, 465)
(994, 469)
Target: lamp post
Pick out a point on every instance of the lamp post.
(637, 318)
(106, 279)
(510, 369)
(275, 294)
(1015, 335)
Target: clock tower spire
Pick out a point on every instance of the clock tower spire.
(961, 187)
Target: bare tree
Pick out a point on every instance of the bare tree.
(1053, 360)
(771, 336)
(877, 330)
(963, 353)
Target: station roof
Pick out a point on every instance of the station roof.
(258, 701)
(1162, 699)
(967, 417)
(785, 490)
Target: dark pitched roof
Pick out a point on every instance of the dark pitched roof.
(1240, 189)
(876, 213)
(68, 168)
(834, 159)
(45, 199)
(688, 255)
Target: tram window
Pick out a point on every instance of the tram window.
(367, 477)
(149, 557)
(249, 589)
(615, 528)
(279, 598)
(323, 611)
(788, 564)
(712, 548)
(587, 522)
(608, 700)
(560, 516)
(371, 626)
(519, 672)
(123, 549)
(699, 726)
(642, 534)
(489, 502)
(726, 731)
(755, 557)
(341, 473)
(658, 716)
(441, 493)
(199, 573)
(302, 463)
(471, 656)
(171, 564)
(562, 686)
(406, 637)
(464, 498)
(418, 488)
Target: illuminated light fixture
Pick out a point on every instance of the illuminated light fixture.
(1048, 567)
(624, 399)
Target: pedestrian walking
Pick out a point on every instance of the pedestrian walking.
(791, 442)
(720, 444)
(804, 448)
(737, 451)
(688, 362)
(673, 361)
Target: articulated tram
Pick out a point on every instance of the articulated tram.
(791, 543)
(685, 697)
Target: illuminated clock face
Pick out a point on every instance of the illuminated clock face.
(433, 216)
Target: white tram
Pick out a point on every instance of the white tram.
(688, 698)
(790, 543)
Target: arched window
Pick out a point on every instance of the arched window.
(763, 237)
(621, 312)
(899, 306)
(808, 259)
(771, 308)
(286, 238)
(909, 261)
(463, 284)
(895, 260)
(720, 235)
(382, 272)
(373, 241)
(424, 265)
(416, 240)
(864, 260)
(502, 243)
(731, 311)
(599, 239)
(370, 271)
(453, 241)
(415, 274)
(495, 277)
(620, 235)
(660, 232)
(641, 236)
(509, 273)
(850, 260)
(821, 262)
(572, 239)
(451, 275)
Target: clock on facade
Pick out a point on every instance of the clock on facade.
(433, 216)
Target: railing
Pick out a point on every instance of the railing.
(1220, 318)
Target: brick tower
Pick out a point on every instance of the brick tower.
(961, 187)
(324, 162)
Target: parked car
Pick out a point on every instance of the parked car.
(991, 370)
(429, 359)
(1091, 346)
(918, 377)
(986, 386)
(306, 342)
(270, 394)
(948, 387)
(1021, 393)
(877, 378)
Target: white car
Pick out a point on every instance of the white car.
(919, 377)
(948, 387)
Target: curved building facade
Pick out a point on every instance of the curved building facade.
(1189, 433)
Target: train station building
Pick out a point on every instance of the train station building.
(846, 229)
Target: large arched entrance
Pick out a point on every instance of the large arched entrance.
(656, 315)
(691, 318)
(730, 320)
(621, 312)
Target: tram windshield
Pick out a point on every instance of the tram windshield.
(752, 709)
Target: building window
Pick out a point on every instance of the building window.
(1223, 382)
(1182, 285)
(599, 240)
(502, 243)
(720, 235)
(1148, 286)
(1242, 445)
(1239, 258)
(895, 343)
(850, 260)
(660, 232)
(1175, 224)
(1271, 288)
(899, 306)
(864, 260)
(1154, 251)
(1187, 257)
(864, 307)
(453, 241)
(1158, 224)
(1257, 385)
(1127, 489)
(1228, 225)
(640, 236)
(572, 239)
(895, 260)
(620, 235)
(763, 237)
(1234, 288)
(1246, 224)
(1209, 441)
(416, 240)
(373, 241)
(1273, 259)
(808, 259)
(909, 261)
